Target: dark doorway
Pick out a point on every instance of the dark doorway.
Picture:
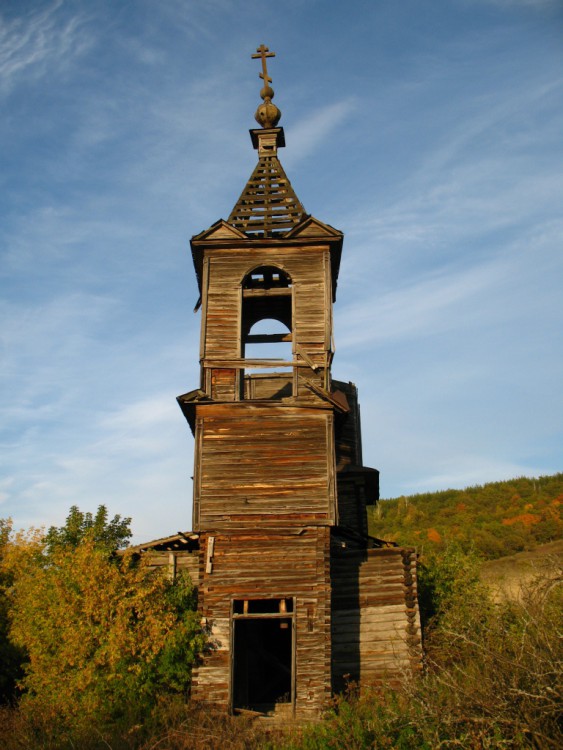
(262, 662)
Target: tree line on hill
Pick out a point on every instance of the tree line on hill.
(495, 519)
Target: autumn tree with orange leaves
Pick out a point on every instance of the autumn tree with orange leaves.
(103, 633)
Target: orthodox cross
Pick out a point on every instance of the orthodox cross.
(263, 52)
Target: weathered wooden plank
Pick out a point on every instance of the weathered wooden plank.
(223, 294)
(256, 556)
(271, 460)
(266, 479)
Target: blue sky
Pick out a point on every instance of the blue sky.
(429, 132)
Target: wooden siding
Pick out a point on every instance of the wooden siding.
(352, 512)
(174, 562)
(277, 386)
(227, 269)
(263, 565)
(375, 620)
(223, 384)
(272, 524)
(263, 465)
(224, 271)
(358, 486)
(348, 429)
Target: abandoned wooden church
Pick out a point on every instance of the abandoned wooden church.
(297, 597)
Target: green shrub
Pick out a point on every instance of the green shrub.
(11, 656)
(104, 635)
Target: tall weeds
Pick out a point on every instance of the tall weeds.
(493, 680)
(171, 725)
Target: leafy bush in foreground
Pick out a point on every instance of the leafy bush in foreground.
(109, 535)
(11, 656)
(104, 635)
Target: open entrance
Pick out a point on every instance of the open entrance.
(262, 654)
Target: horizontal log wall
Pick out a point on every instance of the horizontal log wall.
(375, 620)
(262, 565)
(223, 384)
(309, 275)
(269, 465)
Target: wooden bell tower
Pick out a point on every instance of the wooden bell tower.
(280, 492)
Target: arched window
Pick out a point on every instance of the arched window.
(266, 332)
(268, 339)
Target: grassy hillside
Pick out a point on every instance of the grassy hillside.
(509, 577)
(495, 519)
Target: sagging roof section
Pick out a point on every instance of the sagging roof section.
(182, 540)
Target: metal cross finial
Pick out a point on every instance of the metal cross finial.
(267, 114)
(263, 52)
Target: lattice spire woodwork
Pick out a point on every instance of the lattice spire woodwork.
(268, 205)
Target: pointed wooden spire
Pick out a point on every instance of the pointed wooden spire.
(268, 205)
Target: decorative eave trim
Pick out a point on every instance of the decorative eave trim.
(187, 403)
(220, 230)
(310, 231)
(311, 227)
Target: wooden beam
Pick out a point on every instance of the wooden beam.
(275, 291)
(305, 357)
(268, 338)
(244, 364)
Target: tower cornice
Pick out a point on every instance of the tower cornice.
(309, 233)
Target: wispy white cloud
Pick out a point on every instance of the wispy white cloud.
(4, 487)
(196, 20)
(35, 44)
(477, 175)
(309, 133)
(429, 427)
(428, 307)
(135, 459)
(466, 471)
(488, 123)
